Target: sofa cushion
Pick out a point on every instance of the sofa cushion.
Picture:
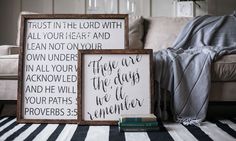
(8, 90)
(224, 69)
(135, 32)
(162, 31)
(8, 66)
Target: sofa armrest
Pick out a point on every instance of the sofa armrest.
(9, 49)
(224, 68)
(9, 66)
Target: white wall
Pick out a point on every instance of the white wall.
(143, 7)
(162, 8)
(9, 10)
(69, 6)
(38, 6)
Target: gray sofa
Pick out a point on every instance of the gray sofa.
(150, 33)
(161, 32)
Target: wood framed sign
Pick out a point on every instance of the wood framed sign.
(114, 82)
(47, 86)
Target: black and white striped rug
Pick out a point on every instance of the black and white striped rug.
(218, 130)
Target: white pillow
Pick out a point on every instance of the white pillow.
(162, 32)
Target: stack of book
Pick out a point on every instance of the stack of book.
(138, 123)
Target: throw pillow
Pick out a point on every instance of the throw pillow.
(135, 32)
(162, 32)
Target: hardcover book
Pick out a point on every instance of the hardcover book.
(138, 118)
(138, 124)
(138, 129)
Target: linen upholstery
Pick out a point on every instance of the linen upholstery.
(4, 50)
(8, 65)
(224, 69)
(135, 32)
(162, 32)
(8, 90)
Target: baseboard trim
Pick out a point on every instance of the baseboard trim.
(225, 103)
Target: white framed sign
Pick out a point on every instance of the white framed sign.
(185, 9)
(112, 83)
(47, 91)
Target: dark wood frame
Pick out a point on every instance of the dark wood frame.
(81, 54)
(23, 30)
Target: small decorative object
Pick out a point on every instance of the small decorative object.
(102, 7)
(93, 7)
(185, 9)
(131, 6)
(137, 118)
(138, 123)
(111, 6)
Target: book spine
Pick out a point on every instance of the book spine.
(128, 129)
(137, 119)
(135, 124)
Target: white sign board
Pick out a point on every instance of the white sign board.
(114, 83)
(49, 68)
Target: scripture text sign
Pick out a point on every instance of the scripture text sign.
(49, 68)
(114, 83)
